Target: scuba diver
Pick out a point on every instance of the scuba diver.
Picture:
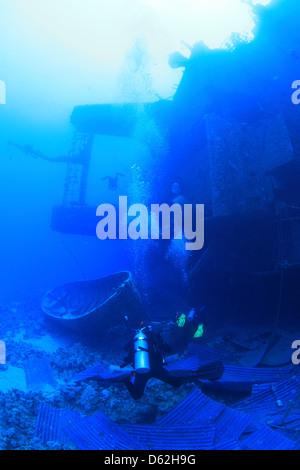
(178, 198)
(146, 353)
(187, 328)
(112, 182)
(75, 158)
(176, 252)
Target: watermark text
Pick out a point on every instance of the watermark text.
(2, 92)
(2, 353)
(178, 222)
(296, 94)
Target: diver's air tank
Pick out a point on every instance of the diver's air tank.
(191, 315)
(141, 354)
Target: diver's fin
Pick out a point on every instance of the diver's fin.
(213, 371)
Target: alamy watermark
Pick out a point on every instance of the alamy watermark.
(179, 222)
(2, 353)
(296, 94)
(2, 92)
(296, 354)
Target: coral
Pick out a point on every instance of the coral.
(89, 398)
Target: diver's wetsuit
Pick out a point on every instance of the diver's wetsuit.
(137, 382)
